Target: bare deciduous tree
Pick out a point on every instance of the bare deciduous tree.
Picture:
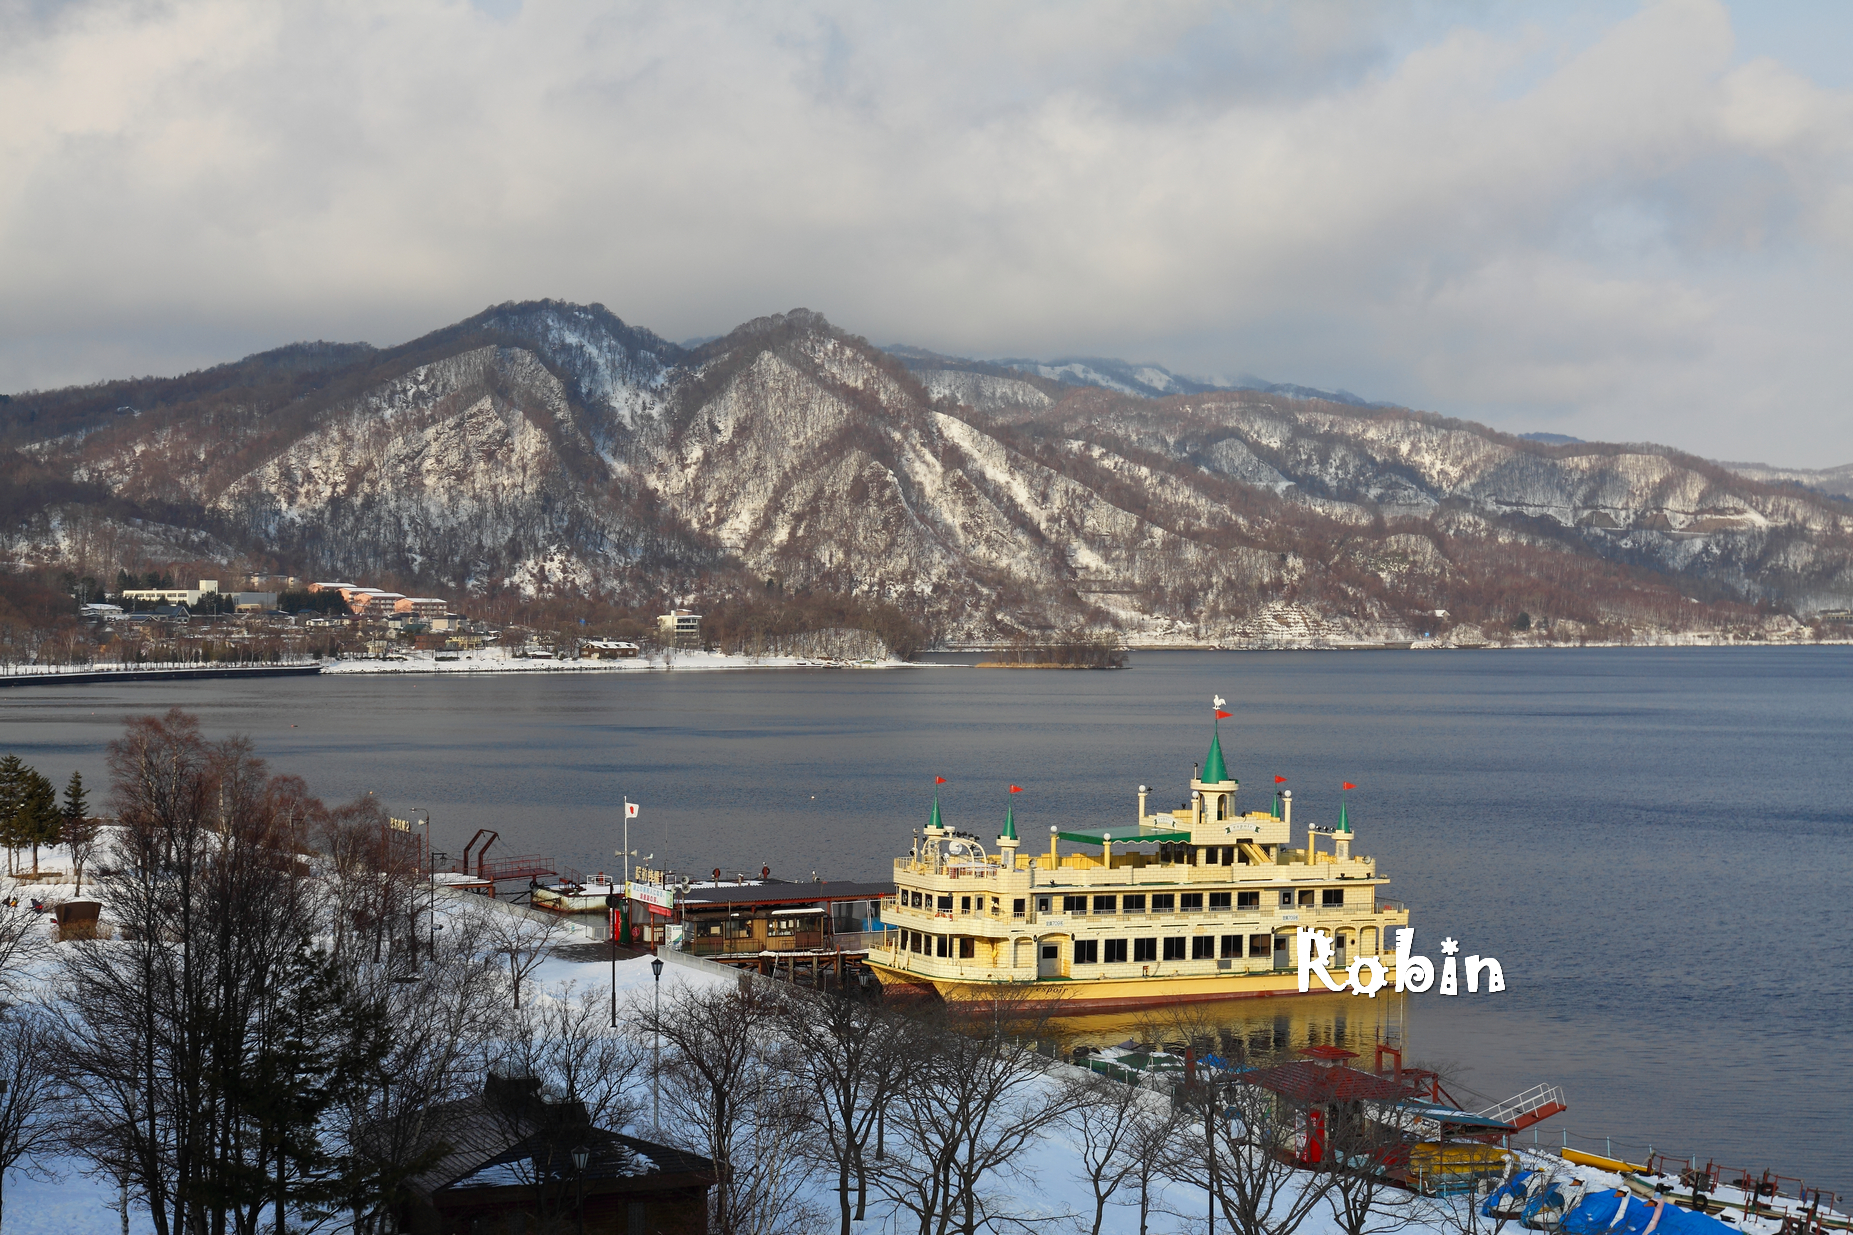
(1116, 1127)
(527, 941)
(1243, 1148)
(727, 1076)
(981, 1097)
(33, 1097)
(856, 1056)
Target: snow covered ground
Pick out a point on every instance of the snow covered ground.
(504, 660)
(1049, 1192)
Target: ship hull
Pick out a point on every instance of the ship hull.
(1084, 997)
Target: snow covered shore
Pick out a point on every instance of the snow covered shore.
(505, 660)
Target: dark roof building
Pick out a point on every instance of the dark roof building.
(508, 1158)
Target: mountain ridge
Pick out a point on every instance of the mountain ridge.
(554, 449)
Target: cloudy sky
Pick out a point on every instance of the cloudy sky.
(1621, 221)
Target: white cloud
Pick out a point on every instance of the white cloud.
(1614, 225)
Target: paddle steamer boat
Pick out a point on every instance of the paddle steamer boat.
(1191, 905)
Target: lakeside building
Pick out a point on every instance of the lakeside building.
(765, 924)
(680, 628)
(188, 596)
(1206, 906)
(491, 1157)
(422, 607)
(608, 649)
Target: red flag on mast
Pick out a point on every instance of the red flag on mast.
(1349, 785)
(1222, 715)
(939, 780)
(1280, 780)
(1016, 789)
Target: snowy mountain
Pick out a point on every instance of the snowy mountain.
(1148, 380)
(554, 448)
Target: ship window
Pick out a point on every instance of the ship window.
(1042, 904)
(965, 904)
(1222, 807)
(1248, 900)
(1087, 951)
(1048, 951)
(1134, 903)
(939, 945)
(1074, 904)
(1105, 904)
(1228, 855)
(1306, 896)
(1145, 949)
(1220, 900)
(1116, 951)
(1191, 902)
(966, 948)
(913, 941)
(1174, 948)
(1258, 945)
(918, 899)
(1164, 853)
(945, 903)
(1164, 902)
(1232, 946)
(1016, 907)
(1286, 898)
(1202, 947)
(1332, 896)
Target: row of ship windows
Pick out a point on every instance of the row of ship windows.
(1115, 951)
(1135, 902)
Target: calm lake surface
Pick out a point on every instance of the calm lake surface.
(1654, 843)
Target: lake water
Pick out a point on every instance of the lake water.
(1654, 843)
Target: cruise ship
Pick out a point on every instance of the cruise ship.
(1195, 904)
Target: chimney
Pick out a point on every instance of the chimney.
(1054, 861)
(1143, 790)
(1286, 806)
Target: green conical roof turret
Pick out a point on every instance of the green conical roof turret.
(1010, 825)
(1344, 823)
(934, 821)
(1214, 770)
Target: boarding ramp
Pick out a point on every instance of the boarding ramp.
(1535, 1105)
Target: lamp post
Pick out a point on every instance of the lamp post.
(431, 889)
(612, 901)
(580, 1154)
(656, 1051)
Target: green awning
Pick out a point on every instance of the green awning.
(1124, 835)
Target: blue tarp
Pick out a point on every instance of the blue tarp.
(1512, 1189)
(1597, 1216)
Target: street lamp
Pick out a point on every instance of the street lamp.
(431, 890)
(611, 905)
(656, 1048)
(580, 1154)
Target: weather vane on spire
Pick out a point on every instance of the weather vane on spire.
(1217, 700)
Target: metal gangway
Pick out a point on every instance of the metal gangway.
(1535, 1105)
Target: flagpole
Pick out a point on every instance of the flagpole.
(627, 840)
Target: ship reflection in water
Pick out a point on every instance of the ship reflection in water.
(1261, 1027)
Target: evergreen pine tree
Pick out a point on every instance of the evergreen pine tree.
(14, 777)
(39, 821)
(76, 801)
(79, 830)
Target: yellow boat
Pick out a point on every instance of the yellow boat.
(1191, 905)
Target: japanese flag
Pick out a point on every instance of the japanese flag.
(630, 810)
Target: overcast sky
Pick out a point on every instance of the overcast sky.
(1620, 221)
